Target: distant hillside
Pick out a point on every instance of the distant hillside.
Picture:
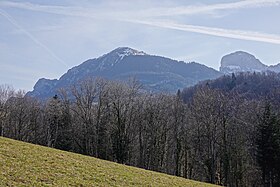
(246, 85)
(241, 61)
(156, 73)
(24, 164)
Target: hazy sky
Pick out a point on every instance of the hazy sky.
(40, 38)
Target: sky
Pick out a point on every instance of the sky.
(41, 38)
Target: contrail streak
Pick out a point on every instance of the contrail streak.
(59, 10)
(141, 16)
(235, 34)
(161, 11)
(29, 35)
(202, 9)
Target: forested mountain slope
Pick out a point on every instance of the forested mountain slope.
(247, 85)
(155, 73)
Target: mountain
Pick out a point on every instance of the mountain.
(244, 62)
(241, 62)
(156, 73)
(275, 68)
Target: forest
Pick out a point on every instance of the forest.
(224, 131)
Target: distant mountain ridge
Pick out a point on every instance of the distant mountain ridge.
(156, 73)
(241, 61)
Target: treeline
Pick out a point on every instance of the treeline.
(225, 131)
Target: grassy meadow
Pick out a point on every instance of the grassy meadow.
(24, 164)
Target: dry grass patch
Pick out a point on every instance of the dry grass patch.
(23, 164)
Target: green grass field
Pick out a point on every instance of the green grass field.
(23, 164)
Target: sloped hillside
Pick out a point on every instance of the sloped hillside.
(244, 84)
(23, 164)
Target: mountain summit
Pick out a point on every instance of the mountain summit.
(241, 61)
(117, 55)
(156, 73)
(126, 51)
